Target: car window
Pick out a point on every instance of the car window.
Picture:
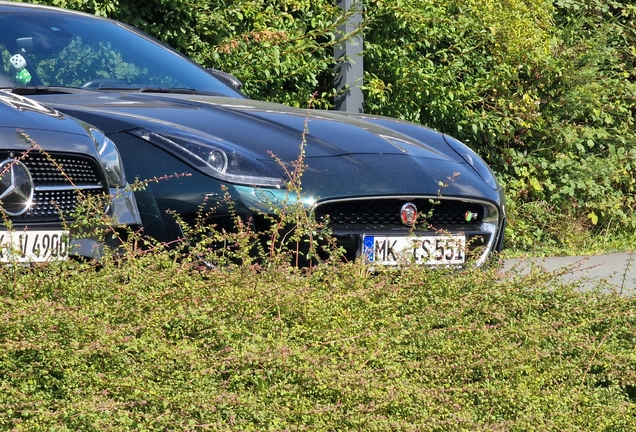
(68, 49)
(6, 66)
(84, 61)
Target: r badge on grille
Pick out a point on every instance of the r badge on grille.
(469, 216)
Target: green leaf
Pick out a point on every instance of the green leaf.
(593, 217)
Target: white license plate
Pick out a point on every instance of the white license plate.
(430, 250)
(33, 245)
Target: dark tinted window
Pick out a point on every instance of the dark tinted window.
(72, 50)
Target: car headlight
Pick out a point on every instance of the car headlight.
(473, 160)
(111, 160)
(215, 158)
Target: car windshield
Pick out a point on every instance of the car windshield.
(64, 49)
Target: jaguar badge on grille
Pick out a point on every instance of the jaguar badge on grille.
(16, 187)
(408, 214)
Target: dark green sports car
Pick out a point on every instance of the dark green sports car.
(375, 179)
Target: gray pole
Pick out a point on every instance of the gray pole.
(349, 68)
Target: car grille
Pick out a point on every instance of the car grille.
(372, 214)
(52, 204)
(59, 180)
(46, 171)
(350, 219)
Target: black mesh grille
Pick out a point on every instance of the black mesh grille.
(386, 212)
(55, 203)
(61, 171)
(59, 180)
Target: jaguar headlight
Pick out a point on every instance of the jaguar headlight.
(213, 157)
(217, 159)
(111, 160)
(473, 160)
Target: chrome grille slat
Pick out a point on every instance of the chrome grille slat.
(52, 204)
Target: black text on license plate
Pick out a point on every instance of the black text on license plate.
(33, 246)
(389, 250)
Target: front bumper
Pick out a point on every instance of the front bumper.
(481, 221)
(125, 216)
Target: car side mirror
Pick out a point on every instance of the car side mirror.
(226, 78)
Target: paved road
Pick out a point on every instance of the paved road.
(617, 271)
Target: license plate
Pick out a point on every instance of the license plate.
(429, 250)
(33, 245)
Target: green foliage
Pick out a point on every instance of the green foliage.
(549, 106)
(154, 343)
(163, 337)
(457, 66)
(543, 90)
(578, 157)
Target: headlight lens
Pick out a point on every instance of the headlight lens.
(111, 160)
(473, 160)
(215, 158)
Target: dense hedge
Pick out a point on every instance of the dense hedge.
(544, 90)
(152, 344)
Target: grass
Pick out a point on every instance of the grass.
(541, 230)
(584, 246)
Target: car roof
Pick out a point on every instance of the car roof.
(8, 5)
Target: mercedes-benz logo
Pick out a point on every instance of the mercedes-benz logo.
(16, 187)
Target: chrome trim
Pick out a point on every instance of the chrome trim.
(15, 188)
(124, 207)
(405, 198)
(65, 188)
(491, 223)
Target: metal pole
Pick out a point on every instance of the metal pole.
(349, 68)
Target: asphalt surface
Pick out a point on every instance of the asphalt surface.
(613, 272)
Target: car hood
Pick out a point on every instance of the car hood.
(345, 154)
(280, 130)
(24, 122)
(19, 113)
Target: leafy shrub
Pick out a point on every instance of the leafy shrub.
(154, 343)
(167, 338)
(550, 106)
(543, 90)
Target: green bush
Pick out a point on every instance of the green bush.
(151, 343)
(543, 90)
(194, 336)
(578, 156)
(239, 338)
